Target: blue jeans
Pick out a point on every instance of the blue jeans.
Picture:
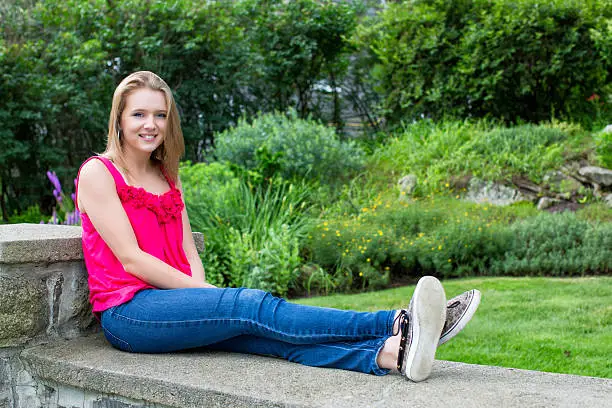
(248, 321)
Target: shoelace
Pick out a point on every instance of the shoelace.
(403, 317)
(454, 304)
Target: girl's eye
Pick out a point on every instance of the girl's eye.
(138, 115)
(161, 115)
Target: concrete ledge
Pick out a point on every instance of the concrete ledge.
(34, 243)
(214, 379)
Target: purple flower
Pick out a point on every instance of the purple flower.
(54, 180)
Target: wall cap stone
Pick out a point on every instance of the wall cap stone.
(45, 243)
(219, 379)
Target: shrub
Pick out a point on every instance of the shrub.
(252, 234)
(603, 142)
(558, 245)
(448, 238)
(295, 148)
(513, 60)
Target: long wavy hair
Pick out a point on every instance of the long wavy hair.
(169, 153)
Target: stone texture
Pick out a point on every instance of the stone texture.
(36, 243)
(215, 379)
(607, 129)
(598, 175)
(480, 191)
(561, 183)
(24, 243)
(407, 184)
(24, 309)
(546, 202)
(608, 200)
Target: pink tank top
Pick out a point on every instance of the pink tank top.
(157, 224)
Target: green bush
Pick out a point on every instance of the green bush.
(449, 238)
(441, 154)
(514, 60)
(557, 245)
(603, 141)
(294, 148)
(252, 233)
(31, 215)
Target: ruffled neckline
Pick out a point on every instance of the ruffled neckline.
(166, 206)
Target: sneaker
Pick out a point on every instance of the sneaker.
(420, 329)
(459, 311)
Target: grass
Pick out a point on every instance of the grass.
(545, 324)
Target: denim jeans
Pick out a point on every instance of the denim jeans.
(248, 321)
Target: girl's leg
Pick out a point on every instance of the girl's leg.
(355, 356)
(170, 320)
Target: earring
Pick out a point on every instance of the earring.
(118, 134)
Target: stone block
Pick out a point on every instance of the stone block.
(24, 309)
(32, 243)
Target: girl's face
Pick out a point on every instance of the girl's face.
(143, 121)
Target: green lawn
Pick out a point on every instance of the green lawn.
(546, 324)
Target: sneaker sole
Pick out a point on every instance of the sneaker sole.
(464, 319)
(428, 316)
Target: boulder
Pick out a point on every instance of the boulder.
(597, 175)
(407, 184)
(546, 202)
(480, 191)
(608, 200)
(607, 129)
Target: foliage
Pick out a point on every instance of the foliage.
(448, 238)
(512, 60)
(31, 215)
(603, 142)
(62, 60)
(296, 148)
(441, 154)
(303, 50)
(65, 211)
(558, 245)
(252, 234)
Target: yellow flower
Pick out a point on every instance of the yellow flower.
(386, 268)
(421, 234)
(439, 247)
(364, 209)
(449, 259)
(325, 224)
(360, 273)
(368, 260)
(380, 233)
(447, 185)
(322, 235)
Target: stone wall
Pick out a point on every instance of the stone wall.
(43, 297)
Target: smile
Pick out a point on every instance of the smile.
(147, 137)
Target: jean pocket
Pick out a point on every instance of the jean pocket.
(116, 341)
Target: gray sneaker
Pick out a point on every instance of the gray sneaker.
(459, 311)
(420, 328)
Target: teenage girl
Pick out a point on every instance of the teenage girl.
(147, 283)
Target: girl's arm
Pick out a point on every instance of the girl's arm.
(197, 269)
(99, 200)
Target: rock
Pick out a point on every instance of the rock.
(607, 129)
(562, 183)
(480, 191)
(597, 175)
(407, 184)
(546, 202)
(608, 200)
(24, 310)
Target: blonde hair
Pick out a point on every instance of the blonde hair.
(169, 153)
